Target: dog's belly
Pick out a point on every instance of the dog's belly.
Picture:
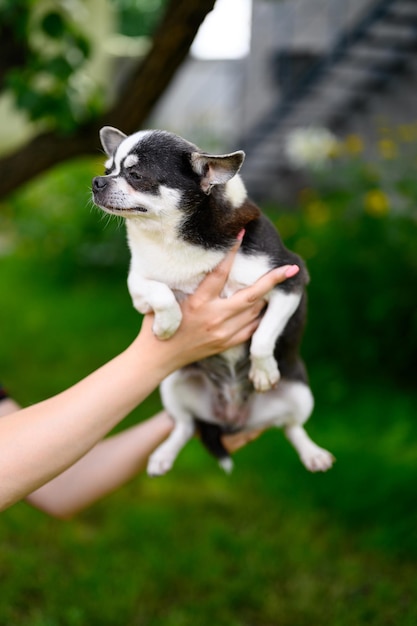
(226, 376)
(228, 407)
(193, 394)
(236, 406)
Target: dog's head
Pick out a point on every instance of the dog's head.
(153, 173)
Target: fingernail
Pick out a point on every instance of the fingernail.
(291, 270)
(241, 234)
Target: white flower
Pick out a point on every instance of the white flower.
(310, 147)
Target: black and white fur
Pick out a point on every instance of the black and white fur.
(184, 209)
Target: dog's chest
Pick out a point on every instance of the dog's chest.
(179, 265)
(182, 266)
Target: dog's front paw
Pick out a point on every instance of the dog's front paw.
(166, 322)
(317, 459)
(159, 463)
(264, 373)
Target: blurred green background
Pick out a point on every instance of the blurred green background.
(270, 545)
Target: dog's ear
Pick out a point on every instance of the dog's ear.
(216, 169)
(111, 138)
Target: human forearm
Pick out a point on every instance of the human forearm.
(39, 442)
(109, 465)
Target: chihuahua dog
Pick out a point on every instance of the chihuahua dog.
(184, 209)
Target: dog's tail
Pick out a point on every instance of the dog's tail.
(211, 438)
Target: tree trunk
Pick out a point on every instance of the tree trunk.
(147, 83)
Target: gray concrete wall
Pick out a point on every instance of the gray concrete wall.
(204, 103)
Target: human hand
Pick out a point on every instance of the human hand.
(235, 441)
(211, 323)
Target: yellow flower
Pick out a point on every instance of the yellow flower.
(317, 212)
(387, 149)
(354, 144)
(376, 203)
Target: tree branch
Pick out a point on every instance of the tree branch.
(171, 44)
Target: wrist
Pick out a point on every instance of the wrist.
(154, 356)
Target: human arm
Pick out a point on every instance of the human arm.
(108, 465)
(111, 463)
(43, 440)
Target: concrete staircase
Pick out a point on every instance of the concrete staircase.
(360, 64)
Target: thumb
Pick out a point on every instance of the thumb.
(214, 283)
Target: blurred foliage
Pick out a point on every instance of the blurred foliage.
(46, 49)
(356, 227)
(55, 48)
(53, 222)
(138, 18)
(279, 545)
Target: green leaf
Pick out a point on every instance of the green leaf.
(83, 45)
(59, 66)
(53, 25)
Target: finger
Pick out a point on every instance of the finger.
(235, 316)
(242, 335)
(267, 282)
(214, 283)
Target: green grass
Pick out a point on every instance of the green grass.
(271, 545)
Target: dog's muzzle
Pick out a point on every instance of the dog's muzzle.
(100, 186)
(99, 183)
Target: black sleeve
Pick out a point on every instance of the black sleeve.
(3, 393)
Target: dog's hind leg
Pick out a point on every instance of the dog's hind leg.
(289, 406)
(182, 393)
(162, 459)
(314, 458)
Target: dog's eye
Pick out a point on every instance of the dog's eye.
(134, 175)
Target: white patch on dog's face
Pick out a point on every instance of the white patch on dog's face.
(130, 160)
(235, 191)
(125, 147)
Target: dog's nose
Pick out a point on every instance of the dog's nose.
(99, 182)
